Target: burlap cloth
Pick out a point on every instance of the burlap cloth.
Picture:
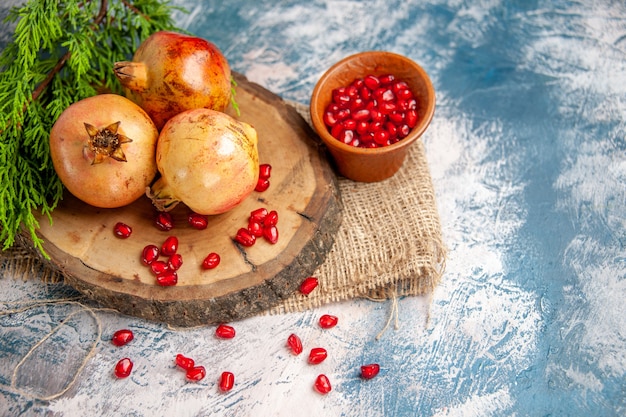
(389, 244)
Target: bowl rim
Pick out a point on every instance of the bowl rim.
(415, 133)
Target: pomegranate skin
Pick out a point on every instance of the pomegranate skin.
(208, 160)
(172, 72)
(110, 183)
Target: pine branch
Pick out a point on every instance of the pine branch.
(61, 52)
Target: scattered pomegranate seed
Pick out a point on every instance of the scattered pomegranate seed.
(295, 344)
(322, 384)
(174, 262)
(196, 373)
(123, 368)
(211, 261)
(224, 331)
(170, 246)
(308, 285)
(255, 228)
(198, 221)
(184, 362)
(371, 112)
(271, 219)
(167, 278)
(158, 267)
(122, 230)
(262, 185)
(271, 234)
(164, 221)
(150, 254)
(370, 371)
(122, 337)
(265, 171)
(327, 321)
(259, 215)
(227, 381)
(244, 237)
(317, 355)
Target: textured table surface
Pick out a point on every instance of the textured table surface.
(527, 153)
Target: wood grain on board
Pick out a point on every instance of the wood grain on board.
(303, 191)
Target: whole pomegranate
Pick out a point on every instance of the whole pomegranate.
(171, 72)
(207, 160)
(103, 150)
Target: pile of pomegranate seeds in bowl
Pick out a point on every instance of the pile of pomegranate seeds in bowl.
(371, 112)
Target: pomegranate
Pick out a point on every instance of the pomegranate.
(171, 72)
(103, 150)
(207, 160)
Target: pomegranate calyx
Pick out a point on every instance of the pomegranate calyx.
(132, 75)
(162, 195)
(106, 142)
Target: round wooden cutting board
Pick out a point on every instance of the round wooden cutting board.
(303, 190)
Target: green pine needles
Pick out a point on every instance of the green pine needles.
(62, 52)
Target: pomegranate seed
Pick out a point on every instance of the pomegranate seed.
(361, 115)
(259, 214)
(196, 373)
(411, 118)
(123, 368)
(158, 267)
(170, 246)
(184, 362)
(404, 94)
(374, 104)
(265, 171)
(349, 124)
(164, 221)
(224, 331)
(122, 230)
(227, 381)
(122, 337)
(370, 371)
(295, 344)
(371, 82)
(198, 221)
(336, 130)
(329, 118)
(262, 185)
(327, 321)
(244, 237)
(271, 234)
(346, 136)
(271, 219)
(167, 278)
(308, 285)
(317, 355)
(386, 79)
(255, 228)
(322, 384)
(150, 254)
(381, 137)
(211, 261)
(403, 131)
(174, 262)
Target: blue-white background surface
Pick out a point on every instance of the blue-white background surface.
(527, 153)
